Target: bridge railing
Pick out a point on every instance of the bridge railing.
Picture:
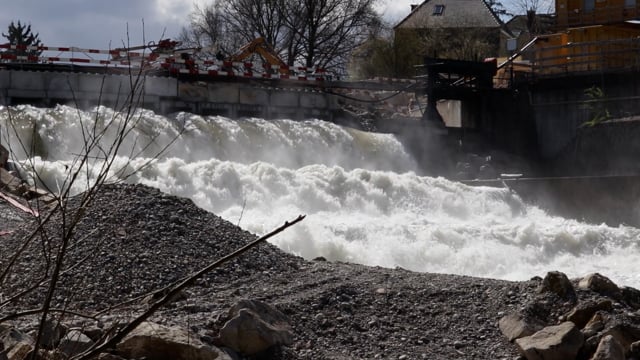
(172, 62)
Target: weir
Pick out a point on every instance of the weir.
(165, 94)
(234, 96)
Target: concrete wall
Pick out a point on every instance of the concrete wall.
(165, 94)
(548, 121)
(562, 106)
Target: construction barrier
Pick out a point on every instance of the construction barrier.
(171, 61)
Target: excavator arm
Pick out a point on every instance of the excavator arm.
(260, 47)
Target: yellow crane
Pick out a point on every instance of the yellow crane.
(259, 46)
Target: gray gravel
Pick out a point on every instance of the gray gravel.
(135, 239)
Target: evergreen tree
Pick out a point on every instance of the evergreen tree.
(21, 36)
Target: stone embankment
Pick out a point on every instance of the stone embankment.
(590, 318)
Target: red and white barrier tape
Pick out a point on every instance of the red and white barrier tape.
(60, 59)
(248, 74)
(167, 61)
(247, 65)
(115, 52)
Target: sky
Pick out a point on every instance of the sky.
(102, 24)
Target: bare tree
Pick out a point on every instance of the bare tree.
(256, 18)
(462, 43)
(535, 6)
(210, 30)
(309, 32)
(102, 139)
(332, 29)
(387, 55)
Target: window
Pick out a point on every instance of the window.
(589, 5)
(629, 3)
(438, 10)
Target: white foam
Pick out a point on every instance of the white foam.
(260, 174)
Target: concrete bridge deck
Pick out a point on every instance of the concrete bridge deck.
(46, 85)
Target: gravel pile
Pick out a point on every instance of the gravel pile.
(134, 239)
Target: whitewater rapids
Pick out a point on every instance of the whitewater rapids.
(360, 191)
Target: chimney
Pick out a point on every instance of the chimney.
(413, 7)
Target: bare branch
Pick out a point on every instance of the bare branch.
(177, 288)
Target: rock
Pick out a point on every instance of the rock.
(560, 342)
(559, 284)
(515, 326)
(52, 333)
(583, 312)
(20, 351)
(634, 349)
(75, 342)
(93, 332)
(4, 156)
(10, 183)
(3, 354)
(631, 296)
(51, 355)
(624, 333)
(609, 349)
(10, 337)
(107, 356)
(255, 327)
(595, 324)
(158, 342)
(600, 284)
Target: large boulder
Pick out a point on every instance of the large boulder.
(560, 342)
(609, 349)
(74, 342)
(516, 325)
(624, 333)
(11, 337)
(254, 327)
(634, 349)
(600, 284)
(595, 324)
(631, 296)
(20, 351)
(559, 284)
(52, 333)
(583, 312)
(158, 342)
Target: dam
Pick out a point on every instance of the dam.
(164, 94)
(167, 81)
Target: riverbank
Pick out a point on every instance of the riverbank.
(135, 239)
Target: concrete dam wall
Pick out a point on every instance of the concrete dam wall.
(166, 94)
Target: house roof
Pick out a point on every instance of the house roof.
(456, 14)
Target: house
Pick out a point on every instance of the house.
(525, 28)
(455, 29)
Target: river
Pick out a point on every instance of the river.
(362, 193)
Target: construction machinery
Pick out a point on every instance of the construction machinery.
(259, 46)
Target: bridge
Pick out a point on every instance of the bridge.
(168, 82)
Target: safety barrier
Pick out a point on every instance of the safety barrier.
(242, 69)
(170, 61)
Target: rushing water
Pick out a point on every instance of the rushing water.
(363, 200)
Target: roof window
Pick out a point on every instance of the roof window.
(438, 10)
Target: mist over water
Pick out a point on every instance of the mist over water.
(360, 191)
